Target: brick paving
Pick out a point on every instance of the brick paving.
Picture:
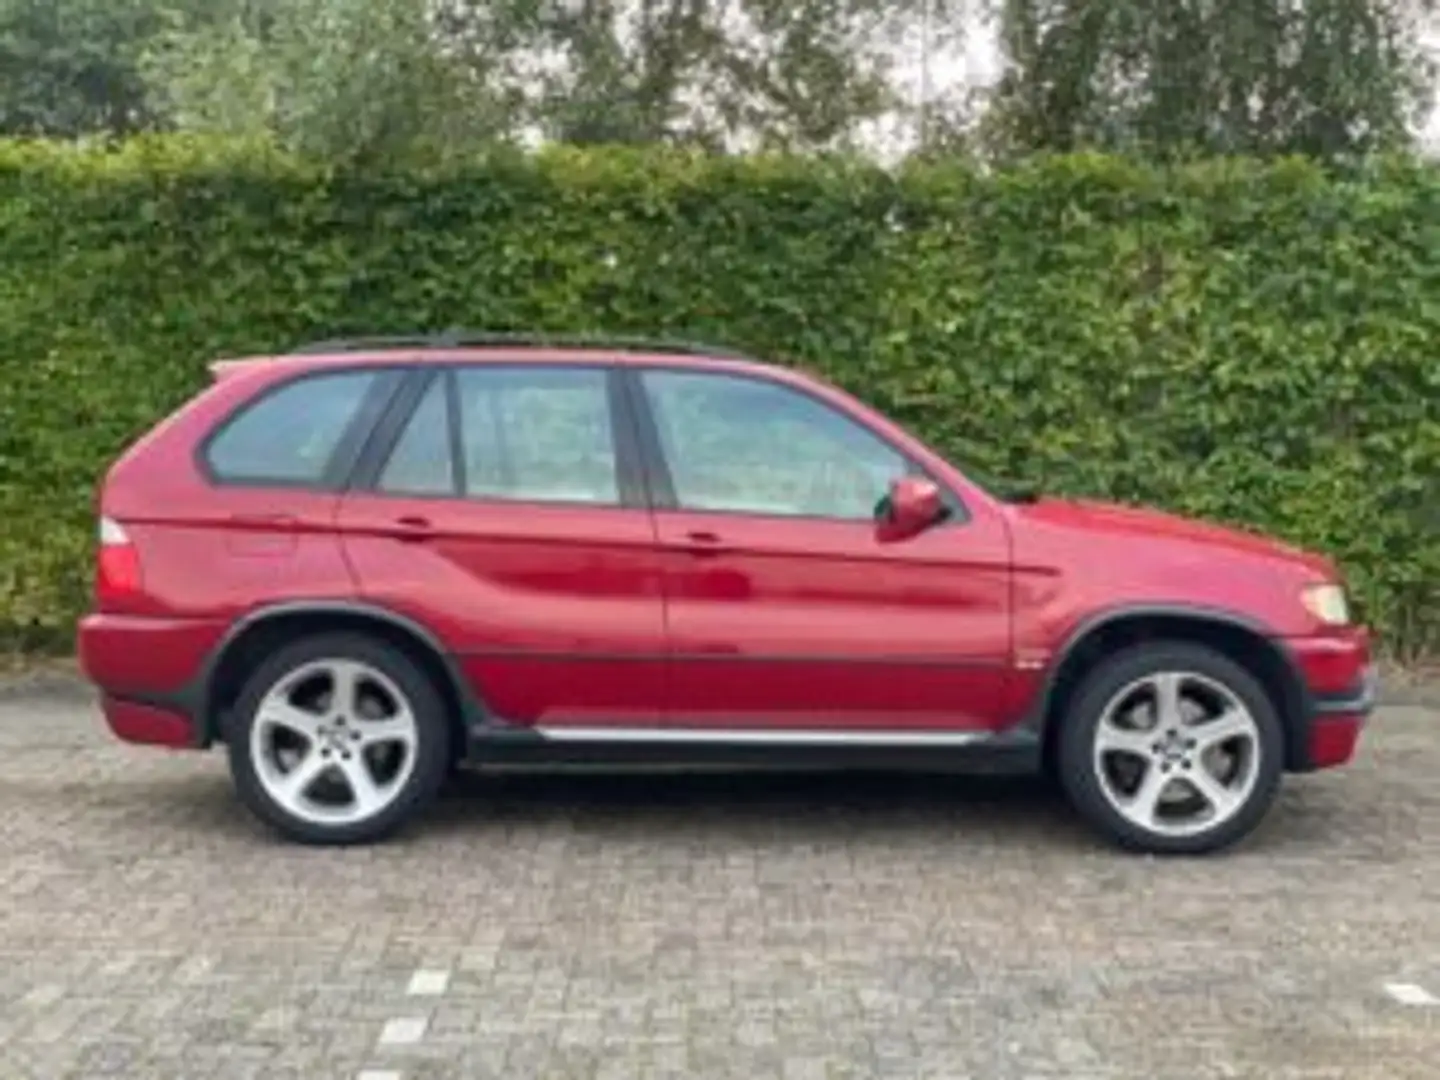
(618, 928)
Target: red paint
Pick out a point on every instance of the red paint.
(147, 725)
(562, 614)
(555, 609)
(804, 623)
(1333, 739)
(1334, 662)
(145, 654)
(915, 504)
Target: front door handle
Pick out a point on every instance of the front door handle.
(413, 527)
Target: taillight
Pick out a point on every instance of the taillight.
(118, 571)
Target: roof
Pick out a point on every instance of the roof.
(488, 339)
(484, 346)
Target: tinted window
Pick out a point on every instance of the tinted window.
(745, 445)
(538, 434)
(420, 463)
(288, 436)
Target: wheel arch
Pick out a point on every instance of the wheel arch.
(264, 629)
(1236, 636)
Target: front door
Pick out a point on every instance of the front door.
(785, 607)
(508, 519)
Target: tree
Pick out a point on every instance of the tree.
(809, 72)
(354, 80)
(70, 67)
(718, 73)
(1319, 77)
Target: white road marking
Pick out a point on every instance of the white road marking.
(428, 983)
(404, 1031)
(377, 1074)
(1410, 994)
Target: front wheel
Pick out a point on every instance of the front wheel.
(1171, 748)
(338, 739)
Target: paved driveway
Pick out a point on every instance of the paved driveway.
(706, 927)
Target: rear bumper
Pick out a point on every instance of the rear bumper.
(148, 725)
(148, 671)
(144, 654)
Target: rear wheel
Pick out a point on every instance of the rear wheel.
(1171, 748)
(338, 739)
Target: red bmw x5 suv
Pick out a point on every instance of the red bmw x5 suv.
(367, 562)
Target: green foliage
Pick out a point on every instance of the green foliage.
(343, 80)
(1254, 343)
(71, 67)
(774, 73)
(1325, 77)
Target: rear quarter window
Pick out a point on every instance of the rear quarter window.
(290, 435)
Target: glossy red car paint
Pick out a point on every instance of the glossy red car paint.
(647, 617)
(147, 724)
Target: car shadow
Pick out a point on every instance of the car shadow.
(680, 807)
(796, 805)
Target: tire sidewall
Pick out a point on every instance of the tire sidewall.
(432, 754)
(1077, 740)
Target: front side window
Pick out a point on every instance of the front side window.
(290, 435)
(537, 434)
(748, 446)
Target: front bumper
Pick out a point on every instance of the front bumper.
(1337, 720)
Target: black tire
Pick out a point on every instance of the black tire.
(1077, 735)
(432, 750)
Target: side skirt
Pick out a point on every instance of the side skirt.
(1009, 752)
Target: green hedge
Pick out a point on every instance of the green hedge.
(1256, 343)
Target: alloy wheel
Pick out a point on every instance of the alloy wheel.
(334, 742)
(1176, 753)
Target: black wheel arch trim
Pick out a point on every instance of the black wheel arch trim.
(1299, 710)
(196, 698)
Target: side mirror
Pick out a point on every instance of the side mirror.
(912, 506)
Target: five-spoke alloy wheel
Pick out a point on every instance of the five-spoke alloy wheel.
(1171, 748)
(338, 739)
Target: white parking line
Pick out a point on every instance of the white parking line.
(428, 983)
(1410, 994)
(377, 1074)
(404, 1031)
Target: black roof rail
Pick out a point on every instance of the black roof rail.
(455, 339)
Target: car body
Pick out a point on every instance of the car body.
(523, 550)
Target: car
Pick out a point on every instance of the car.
(366, 563)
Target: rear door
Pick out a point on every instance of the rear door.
(502, 508)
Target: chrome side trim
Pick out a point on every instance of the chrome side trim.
(766, 737)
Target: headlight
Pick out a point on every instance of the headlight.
(1327, 603)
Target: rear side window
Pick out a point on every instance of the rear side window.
(290, 435)
(526, 434)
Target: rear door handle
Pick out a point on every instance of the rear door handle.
(701, 542)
